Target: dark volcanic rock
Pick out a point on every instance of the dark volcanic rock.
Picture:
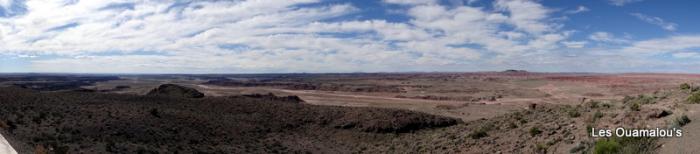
(173, 90)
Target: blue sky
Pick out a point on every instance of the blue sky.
(281, 36)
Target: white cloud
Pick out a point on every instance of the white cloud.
(656, 21)
(574, 44)
(410, 2)
(606, 37)
(686, 55)
(526, 15)
(664, 45)
(274, 36)
(5, 4)
(623, 2)
(579, 9)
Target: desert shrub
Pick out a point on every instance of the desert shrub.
(607, 105)
(625, 145)
(512, 125)
(522, 121)
(541, 148)
(637, 144)
(680, 121)
(635, 106)
(593, 104)
(627, 99)
(477, 134)
(481, 132)
(694, 98)
(607, 146)
(597, 115)
(644, 99)
(685, 86)
(535, 131)
(577, 148)
(641, 99)
(573, 113)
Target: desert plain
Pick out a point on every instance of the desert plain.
(512, 111)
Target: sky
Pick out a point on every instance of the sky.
(336, 36)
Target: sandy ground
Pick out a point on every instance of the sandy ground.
(5, 147)
(691, 134)
(518, 93)
(462, 110)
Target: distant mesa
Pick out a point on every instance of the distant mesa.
(514, 71)
(173, 90)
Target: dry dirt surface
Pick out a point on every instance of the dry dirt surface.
(486, 112)
(468, 96)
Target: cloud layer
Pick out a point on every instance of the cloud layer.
(301, 36)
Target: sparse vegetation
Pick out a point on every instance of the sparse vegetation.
(481, 132)
(607, 146)
(540, 148)
(607, 105)
(640, 99)
(694, 98)
(573, 112)
(685, 86)
(512, 125)
(534, 131)
(593, 104)
(625, 145)
(155, 124)
(239, 122)
(577, 148)
(635, 106)
(680, 121)
(477, 134)
(597, 115)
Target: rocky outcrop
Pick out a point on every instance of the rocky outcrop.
(173, 90)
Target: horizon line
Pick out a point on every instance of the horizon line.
(398, 72)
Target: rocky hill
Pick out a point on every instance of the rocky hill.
(173, 90)
(88, 122)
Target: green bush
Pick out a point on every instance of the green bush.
(607, 146)
(685, 86)
(593, 104)
(573, 113)
(641, 99)
(577, 148)
(597, 115)
(477, 134)
(535, 131)
(541, 148)
(481, 132)
(694, 98)
(512, 125)
(625, 145)
(681, 121)
(635, 106)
